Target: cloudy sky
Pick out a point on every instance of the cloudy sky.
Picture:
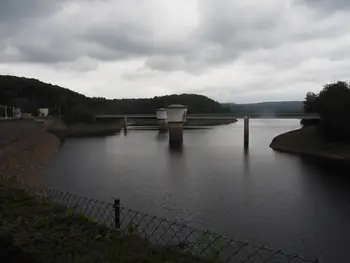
(230, 50)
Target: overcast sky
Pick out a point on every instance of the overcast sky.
(230, 50)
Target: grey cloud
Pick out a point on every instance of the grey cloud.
(217, 38)
(226, 31)
(103, 41)
(133, 40)
(140, 73)
(120, 41)
(14, 10)
(327, 5)
(83, 64)
(175, 63)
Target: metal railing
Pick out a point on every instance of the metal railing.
(203, 245)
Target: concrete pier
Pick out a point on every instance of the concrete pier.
(162, 120)
(176, 133)
(246, 132)
(176, 118)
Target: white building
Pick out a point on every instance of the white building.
(176, 113)
(16, 113)
(43, 112)
(161, 114)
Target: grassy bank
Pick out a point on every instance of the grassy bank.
(94, 129)
(40, 231)
(309, 141)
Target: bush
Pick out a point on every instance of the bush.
(78, 113)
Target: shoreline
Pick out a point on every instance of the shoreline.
(83, 130)
(189, 122)
(307, 142)
(26, 148)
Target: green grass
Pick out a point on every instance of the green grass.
(44, 231)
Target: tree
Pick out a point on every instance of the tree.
(31, 94)
(311, 103)
(78, 113)
(333, 106)
(334, 110)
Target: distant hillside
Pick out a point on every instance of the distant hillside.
(267, 108)
(31, 94)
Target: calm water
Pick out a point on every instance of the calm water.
(265, 197)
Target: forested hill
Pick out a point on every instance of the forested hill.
(31, 94)
(275, 108)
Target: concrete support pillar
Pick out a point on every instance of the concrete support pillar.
(246, 132)
(176, 117)
(162, 125)
(162, 120)
(175, 133)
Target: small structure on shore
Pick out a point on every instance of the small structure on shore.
(17, 113)
(43, 112)
(162, 120)
(176, 114)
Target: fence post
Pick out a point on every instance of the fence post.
(116, 207)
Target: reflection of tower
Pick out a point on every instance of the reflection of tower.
(162, 120)
(125, 124)
(161, 136)
(176, 117)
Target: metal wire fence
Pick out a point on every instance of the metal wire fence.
(161, 232)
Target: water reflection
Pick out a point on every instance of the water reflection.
(176, 149)
(211, 182)
(246, 162)
(162, 136)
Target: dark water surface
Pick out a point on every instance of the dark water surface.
(263, 196)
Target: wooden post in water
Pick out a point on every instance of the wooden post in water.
(246, 132)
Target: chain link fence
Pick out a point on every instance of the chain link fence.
(202, 245)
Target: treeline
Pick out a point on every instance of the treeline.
(333, 106)
(32, 94)
(195, 103)
(270, 109)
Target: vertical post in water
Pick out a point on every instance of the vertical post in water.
(246, 132)
(116, 207)
(125, 124)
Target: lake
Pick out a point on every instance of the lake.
(263, 196)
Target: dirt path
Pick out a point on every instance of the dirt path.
(24, 154)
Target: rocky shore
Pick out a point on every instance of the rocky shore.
(308, 141)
